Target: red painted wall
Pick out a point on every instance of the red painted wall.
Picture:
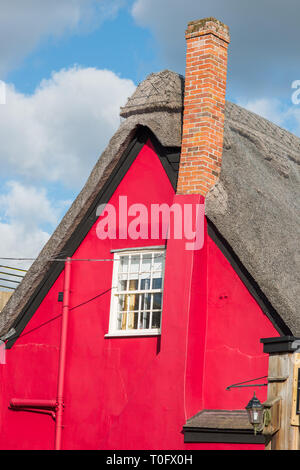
(235, 324)
(136, 393)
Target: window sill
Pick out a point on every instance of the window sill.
(126, 334)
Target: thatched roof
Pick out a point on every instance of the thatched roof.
(254, 205)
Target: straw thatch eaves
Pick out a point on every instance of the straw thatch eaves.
(254, 206)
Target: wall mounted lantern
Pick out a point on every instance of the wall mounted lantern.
(258, 414)
(255, 412)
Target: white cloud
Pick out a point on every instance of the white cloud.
(275, 111)
(27, 205)
(270, 109)
(24, 209)
(58, 132)
(54, 135)
(25, 23)
(17, 242)
(27, 218)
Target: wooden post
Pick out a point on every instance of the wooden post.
(284, 362)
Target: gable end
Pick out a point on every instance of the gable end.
(169, 158)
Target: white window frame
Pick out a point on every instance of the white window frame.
(113, 317)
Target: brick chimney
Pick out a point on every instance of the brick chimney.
(204, 106)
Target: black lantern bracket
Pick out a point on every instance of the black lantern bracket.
(247, 383)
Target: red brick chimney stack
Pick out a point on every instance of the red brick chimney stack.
(204, 106)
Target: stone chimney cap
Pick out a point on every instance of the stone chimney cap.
(208, 26)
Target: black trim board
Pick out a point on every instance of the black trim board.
(141, 137)
(224, 436)
(283, 344)
(248, 280)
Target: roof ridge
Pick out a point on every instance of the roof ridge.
(164, 91)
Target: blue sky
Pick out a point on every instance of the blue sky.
(117, 44)
(69, 65)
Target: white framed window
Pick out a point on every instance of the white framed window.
(137, 291)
